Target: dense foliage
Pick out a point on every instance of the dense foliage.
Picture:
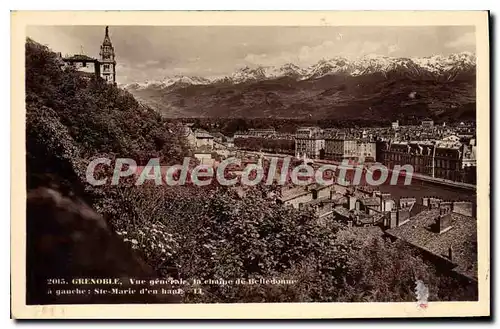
(191, 232)
(219, 235)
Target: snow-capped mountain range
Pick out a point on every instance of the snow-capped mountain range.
(434, 67)
(178, 80)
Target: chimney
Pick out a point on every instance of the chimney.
(443, 222)
(403, 216)
(393, 217)
(446, 207)
(434, 203)
(450, 253)
(352, 202)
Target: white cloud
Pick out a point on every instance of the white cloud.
(467, 39)
(147, 63)
(367, 47)
(309, 55)
(152, 62)
(392, 48)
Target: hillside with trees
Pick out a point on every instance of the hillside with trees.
(203, 233)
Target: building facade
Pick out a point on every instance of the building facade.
(264, 132)
(367, 151)
(418, 155)
(340, 149)
(427, 123)
(313, 148)
(308, 131)
(203, 139)
(439, 159)
(448, 162)
(350, 149)
(88, 66)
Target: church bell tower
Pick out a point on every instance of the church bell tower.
(107, 59)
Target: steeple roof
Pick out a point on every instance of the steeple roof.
(107, 40)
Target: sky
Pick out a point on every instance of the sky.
(147, 53)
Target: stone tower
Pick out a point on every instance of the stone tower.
(107, 59)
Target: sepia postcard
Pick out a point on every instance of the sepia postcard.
(270, 165)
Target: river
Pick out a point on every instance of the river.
(419, 189)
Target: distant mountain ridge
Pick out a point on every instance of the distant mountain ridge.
(373, 87)
(433, 67)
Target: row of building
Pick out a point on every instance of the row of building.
(336, 149)
(450, 158)
(263, 133)
(446, 159)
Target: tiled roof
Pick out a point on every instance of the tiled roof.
(317, 186)
(417, 208)
(449, 145)
(372, 219)
(379, 217)
(319, 200)
(339, 198)
(219, 135)
(289, 192)
(202, 134)
(80, 57)
(370, 201)
(203, 149)
(462, 237)
(342, 211)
